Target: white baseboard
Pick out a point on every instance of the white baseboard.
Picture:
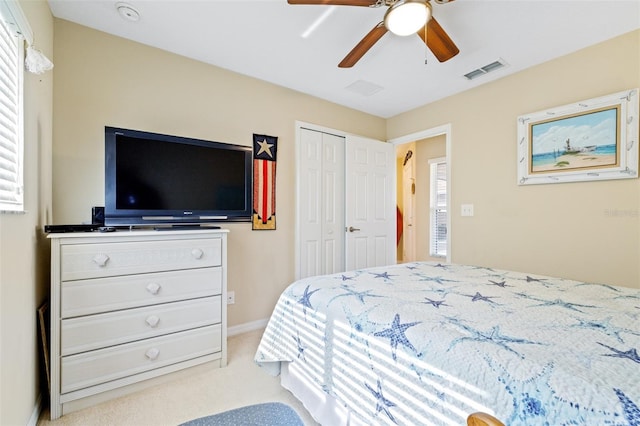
(246, 327)
(35, 414)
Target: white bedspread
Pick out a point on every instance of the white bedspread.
(426, 343)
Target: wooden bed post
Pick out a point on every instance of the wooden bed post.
(483, 419)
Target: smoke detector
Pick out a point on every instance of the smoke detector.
(128, 12)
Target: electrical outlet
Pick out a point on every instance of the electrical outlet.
(231, 298)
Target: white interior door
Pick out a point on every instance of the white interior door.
(320, 203)
(370, 203)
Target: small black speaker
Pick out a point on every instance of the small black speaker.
(97, 215)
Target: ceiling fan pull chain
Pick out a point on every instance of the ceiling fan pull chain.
(426, 48)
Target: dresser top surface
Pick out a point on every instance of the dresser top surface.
(137, 233)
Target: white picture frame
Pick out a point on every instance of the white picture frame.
(595, 139)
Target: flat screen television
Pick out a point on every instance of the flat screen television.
(154, 179)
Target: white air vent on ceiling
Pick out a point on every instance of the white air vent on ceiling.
(364, 88)
(486, 69)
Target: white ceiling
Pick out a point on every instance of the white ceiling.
(263, 39)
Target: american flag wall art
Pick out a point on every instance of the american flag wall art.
(264, 181)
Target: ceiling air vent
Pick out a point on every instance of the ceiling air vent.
(485, 69)
(364, 88)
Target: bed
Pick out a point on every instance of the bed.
(428, 343)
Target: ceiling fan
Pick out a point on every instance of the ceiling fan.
(436, 39)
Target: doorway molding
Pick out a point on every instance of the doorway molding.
(445, 130)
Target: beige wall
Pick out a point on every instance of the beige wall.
(104, 80)
(562, 229)
(24, 276)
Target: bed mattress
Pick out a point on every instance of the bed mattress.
(429, 343)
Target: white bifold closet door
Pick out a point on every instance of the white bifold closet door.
(321, 203)
(345, 203)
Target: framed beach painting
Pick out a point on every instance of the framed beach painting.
(595, 139)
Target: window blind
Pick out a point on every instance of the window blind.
(11, 131)
(438, 216)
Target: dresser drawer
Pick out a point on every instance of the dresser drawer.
(100, 366)
(81, 261)
(99, 331)
(99, 295)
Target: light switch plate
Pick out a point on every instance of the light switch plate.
(467, 210)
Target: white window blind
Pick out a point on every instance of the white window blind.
(438, 208)
(11, 111)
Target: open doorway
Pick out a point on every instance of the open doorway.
(423, 196)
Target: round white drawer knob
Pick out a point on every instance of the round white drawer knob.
(152, 353)
(100, 259)
(153, 288)
(152, 320)
(197, 253)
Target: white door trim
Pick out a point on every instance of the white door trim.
(445, 130)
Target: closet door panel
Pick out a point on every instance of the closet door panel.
(320, 203)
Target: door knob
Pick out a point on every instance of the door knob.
(352, 229)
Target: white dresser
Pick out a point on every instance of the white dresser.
(130, 306)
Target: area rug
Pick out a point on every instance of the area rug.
(267, 414)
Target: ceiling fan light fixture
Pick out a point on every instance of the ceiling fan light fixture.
(406, 17)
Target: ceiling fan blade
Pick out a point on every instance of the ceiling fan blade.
(363, 47)
(438, 41)
(367, 3)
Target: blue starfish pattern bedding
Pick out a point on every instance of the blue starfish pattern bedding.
(426, 343)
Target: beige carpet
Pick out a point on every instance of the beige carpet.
(216, 390)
